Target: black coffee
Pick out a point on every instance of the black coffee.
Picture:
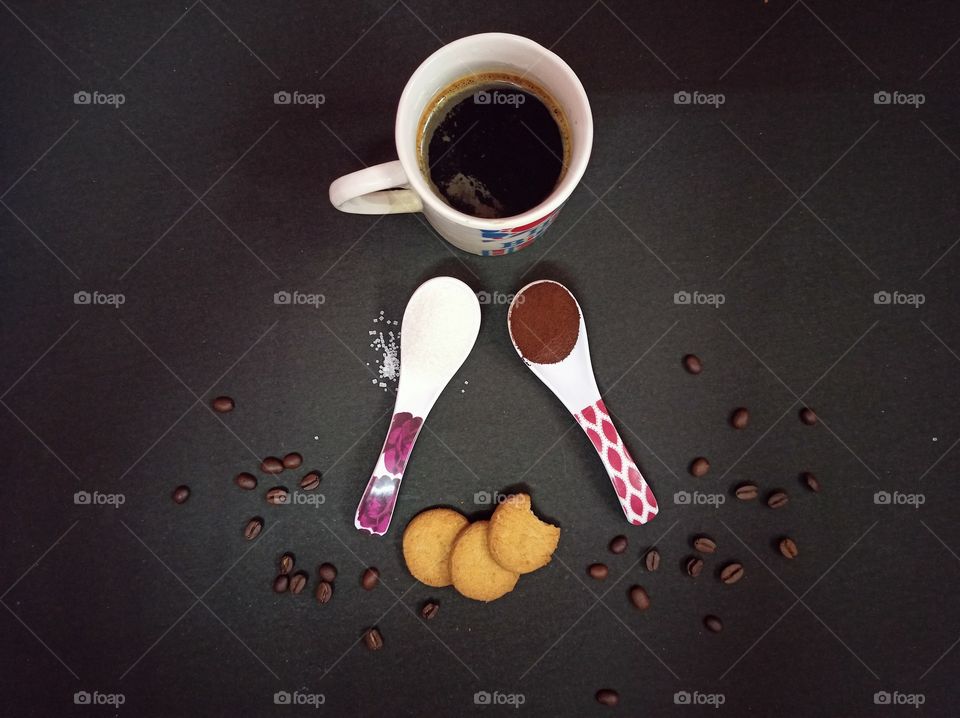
(493, 145)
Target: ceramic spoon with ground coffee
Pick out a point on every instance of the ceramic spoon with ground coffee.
(548, 332)
(439, 328)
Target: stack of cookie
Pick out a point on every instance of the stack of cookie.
(483, 560)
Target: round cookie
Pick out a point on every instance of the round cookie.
(427, 541)
(519, 541)
(475, 574)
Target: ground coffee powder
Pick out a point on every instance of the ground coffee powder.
(544, 322)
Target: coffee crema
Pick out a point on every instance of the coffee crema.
(493, 144)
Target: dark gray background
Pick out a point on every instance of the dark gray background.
(694, 198)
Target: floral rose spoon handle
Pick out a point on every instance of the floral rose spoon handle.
(380, 498)
(439, 328)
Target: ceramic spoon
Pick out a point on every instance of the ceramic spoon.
(439, 328)
(573, 382)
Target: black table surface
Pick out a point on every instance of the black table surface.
(797, 202)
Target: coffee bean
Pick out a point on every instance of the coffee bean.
(692, 363)
(222, 404)
(429, 610)
(298, 582)
(608, 696)
(704, 544)
(731, 573)
(788, 548)
(328, 572)
(694, 566)
(245, 481)
(640, 598)
(373, 640)
(278, 495)
(286, 563)
(740, 418)
(811, 481)
(747, 492)
(310, 482)
(652, 560)
(271, 465)
(324, 592)
(598, 571)
(778, 499)
(808, 416)
(292, 460)
(180, 494)
(618, 544)
(699, 467)
(370, 579)
(713, 624)
(281, 583)
(253, 528)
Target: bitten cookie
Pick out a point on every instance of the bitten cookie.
(427, 541)
(519, 541)
(475, 574)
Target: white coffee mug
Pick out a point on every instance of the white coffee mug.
(399, 186)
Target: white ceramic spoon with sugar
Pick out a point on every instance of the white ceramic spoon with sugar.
(439, 328)
(573, 382)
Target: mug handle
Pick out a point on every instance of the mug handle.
(381, 189)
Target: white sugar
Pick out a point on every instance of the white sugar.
(387, 345)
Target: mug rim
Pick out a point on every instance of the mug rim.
(559, 194)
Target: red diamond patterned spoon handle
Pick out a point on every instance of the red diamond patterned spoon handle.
(636, 497)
